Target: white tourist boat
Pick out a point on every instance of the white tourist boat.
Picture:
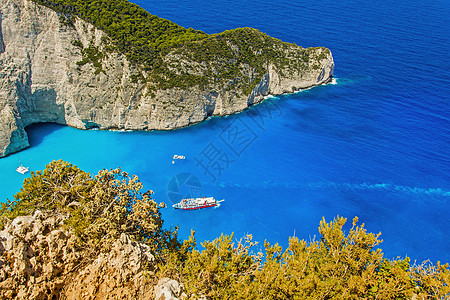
(179, 156)
(197, 203)
(21, 169)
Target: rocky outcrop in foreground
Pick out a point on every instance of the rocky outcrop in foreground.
(40, 80)
(39, 260)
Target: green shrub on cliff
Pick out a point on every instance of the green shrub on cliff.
(338, 266)
(134, 32)
(98, 209)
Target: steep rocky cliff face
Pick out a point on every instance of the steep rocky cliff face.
(41, 81)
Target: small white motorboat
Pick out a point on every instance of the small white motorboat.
(21, 169)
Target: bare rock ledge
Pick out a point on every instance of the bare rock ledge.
(39, 260)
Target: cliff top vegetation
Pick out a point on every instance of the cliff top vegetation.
(134, 31)
(236, 58)
(338, 265)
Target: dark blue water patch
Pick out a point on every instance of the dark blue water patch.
(37, 132)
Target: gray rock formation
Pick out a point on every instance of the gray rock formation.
(40, 81)
(168, 289)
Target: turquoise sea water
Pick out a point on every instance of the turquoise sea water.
(375, 145)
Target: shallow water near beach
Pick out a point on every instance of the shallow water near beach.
(374, 145)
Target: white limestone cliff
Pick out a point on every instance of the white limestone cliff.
(40, 81)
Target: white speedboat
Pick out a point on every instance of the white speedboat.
(21, 169)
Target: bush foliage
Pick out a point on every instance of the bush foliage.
(338, 265)
(98, 209)
(135, 32)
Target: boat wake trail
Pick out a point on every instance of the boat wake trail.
(381, 187)
(365, 186)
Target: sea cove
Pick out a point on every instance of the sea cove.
(374, 145)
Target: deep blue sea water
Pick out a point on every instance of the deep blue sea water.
(375, 145)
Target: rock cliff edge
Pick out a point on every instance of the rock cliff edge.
(39, 259)
(40, 81)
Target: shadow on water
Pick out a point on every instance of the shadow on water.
(37, 132)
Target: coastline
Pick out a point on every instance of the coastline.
(265, 97)
(78, 96)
